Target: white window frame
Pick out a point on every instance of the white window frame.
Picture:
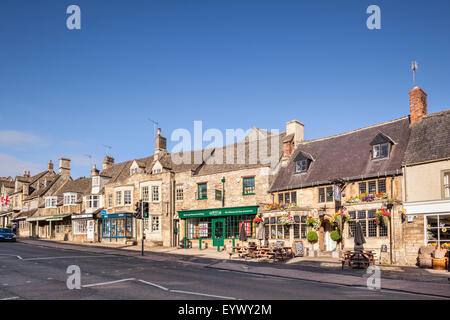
(80, 226)
(120, 196)
(153, 219)
(127, 197)
(70, 199)
(90, 199)
(179, 192)
(156, 194)
(145, 193)
(95, 182)
(51, 202)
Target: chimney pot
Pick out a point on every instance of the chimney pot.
(108, 161)
(64, 166)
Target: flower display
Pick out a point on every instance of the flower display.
(363, 197)
(312, 223)
(280, 207)
(287, 219)
(258, 220)
(382, 215)
(339, 218)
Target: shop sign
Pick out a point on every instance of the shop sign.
(218, 212)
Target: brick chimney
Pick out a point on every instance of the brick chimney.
(50, 165)
(107, 162)
(64, 167)
(417, 105)
(160, 144)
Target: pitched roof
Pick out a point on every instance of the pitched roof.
(345, 156)
(430, 139)
(80, 185)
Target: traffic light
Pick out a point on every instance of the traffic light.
(137, 210)
(145, 210)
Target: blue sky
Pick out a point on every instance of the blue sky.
(231, 64)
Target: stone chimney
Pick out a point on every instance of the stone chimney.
(107, 162)
(294, 135)
(417, 105)
(50, 165)
(160, 145)
(64, 167)
(94, 171)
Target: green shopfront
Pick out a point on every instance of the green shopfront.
(217, 226)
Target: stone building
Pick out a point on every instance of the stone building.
(426, 180)
(150, 180)
(38, 200)
(358, 172)
(226, 191)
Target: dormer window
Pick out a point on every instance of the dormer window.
(303, 161)
(381, 146)
(50, 202)
(70, 199)
(301, 166)
(380, 151)
(156, 170)
(134, 170)
(96, 182)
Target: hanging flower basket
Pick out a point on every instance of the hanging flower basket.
(382, 216)
(287, 219)
(312, 223)
(258, 220)
(312, 236)
(335, 235)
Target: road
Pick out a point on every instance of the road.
(37, 272)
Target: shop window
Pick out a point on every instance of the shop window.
(198, 228)
(202, 191)
(80, 226)
(438, 229)
(118, 227)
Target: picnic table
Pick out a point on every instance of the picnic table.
(261, 252)
(358, 259)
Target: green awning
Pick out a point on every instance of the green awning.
(58, 217)
(218, 212)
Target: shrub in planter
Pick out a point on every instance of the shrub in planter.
(312, 236)
(335, 235)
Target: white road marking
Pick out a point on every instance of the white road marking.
(157, 286)
(106, 283)
(154, 284)
(203, 294)
(10, 298)
(12, 255)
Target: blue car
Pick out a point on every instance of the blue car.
(7, 235)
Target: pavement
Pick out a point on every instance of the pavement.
(315, 273)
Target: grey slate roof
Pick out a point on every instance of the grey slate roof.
(345, 156)
(430, 139)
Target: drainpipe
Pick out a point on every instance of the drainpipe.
(390, 220)
(223, 192)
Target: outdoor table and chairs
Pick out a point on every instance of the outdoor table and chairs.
(358, 258)
(262, 252)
